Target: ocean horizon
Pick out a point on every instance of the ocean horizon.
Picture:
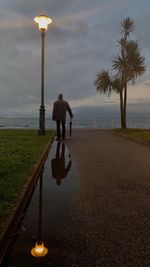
(138, 116)
(79, 121)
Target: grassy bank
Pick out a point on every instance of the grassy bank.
(136, 134)
(20, 150)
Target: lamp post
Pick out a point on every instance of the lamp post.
(43, 22)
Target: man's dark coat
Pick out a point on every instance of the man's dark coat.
(59, 110)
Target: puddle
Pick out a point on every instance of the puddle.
(48, 214)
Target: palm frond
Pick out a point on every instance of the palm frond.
(103, 82)
(127, 26)
(130, 63)
(117, 83)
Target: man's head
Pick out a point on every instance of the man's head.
(60, 96)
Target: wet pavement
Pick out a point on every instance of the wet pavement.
(98, 213)
(48, 215)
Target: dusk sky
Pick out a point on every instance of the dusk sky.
(81, 40)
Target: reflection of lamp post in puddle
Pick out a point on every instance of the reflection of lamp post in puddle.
(39, 250)
(43, 22)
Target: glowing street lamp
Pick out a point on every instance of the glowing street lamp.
(43, 22)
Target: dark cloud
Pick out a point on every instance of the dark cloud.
(33, 7)
(80, 41)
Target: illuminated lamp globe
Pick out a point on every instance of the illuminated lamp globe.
(43, 22)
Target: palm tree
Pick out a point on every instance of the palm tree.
(106, 83)
(129, 64)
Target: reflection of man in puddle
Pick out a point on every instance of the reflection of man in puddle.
(59, 171)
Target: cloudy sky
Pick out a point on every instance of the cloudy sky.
(81, 41)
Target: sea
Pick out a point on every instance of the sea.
(103, 121)
(106, 117)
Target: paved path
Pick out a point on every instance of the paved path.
(111, 222)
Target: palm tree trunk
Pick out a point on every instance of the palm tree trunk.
(125, 107)
(121, 109)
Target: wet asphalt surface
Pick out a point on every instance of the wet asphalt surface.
(100, 213)
(113, 199)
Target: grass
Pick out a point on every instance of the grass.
(20, 150)
(136, 134)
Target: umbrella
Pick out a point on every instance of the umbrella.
(70, 130)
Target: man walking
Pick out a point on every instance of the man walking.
(60, 108)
